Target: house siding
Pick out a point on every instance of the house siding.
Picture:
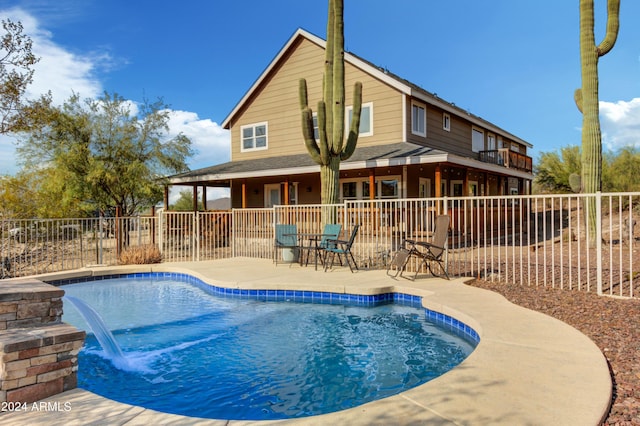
(277, 103)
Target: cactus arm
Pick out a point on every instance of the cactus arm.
(577, 97)
(613, 24)
(309, 140)
(352, 138)
(302, 93)
(307, 124)
(325, 152)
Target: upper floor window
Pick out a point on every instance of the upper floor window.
(491, 142)
(254, 136)
(366, 119)
(446, 121)
(477, 140)
(316, 132)
(418, 119)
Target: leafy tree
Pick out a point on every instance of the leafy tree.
(16, 73)
(185, 202)
(37, 193)
(554, 170)
(110, 156)
(623, 171)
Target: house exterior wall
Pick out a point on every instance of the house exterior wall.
(276, 102)
(456, 140)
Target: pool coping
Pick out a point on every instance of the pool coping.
(528, 368)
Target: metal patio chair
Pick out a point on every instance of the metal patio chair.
(342, 248)
(427, 252)
(286, 237)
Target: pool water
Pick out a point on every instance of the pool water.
(193, 353)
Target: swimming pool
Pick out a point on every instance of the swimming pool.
(206, 351)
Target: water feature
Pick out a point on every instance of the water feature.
(193, 353)
(101, 332)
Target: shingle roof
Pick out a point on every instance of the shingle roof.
(369, 154)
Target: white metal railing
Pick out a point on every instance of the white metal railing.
(539, 240)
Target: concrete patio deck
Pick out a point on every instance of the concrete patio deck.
(529, 369)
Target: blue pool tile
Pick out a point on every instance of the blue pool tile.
(300, 296)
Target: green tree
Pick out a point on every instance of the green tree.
(108, 155)
(622, 173)
(555, 170)
(37, 193)
(331, 148)
(184, 203)
(16, 73)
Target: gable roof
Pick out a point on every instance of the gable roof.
(402, 85)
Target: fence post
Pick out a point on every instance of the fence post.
(196, 236)
(599, 241)
(100, 231)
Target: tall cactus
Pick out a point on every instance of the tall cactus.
(331, 148)
(587, 100)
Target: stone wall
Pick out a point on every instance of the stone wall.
(38, 353)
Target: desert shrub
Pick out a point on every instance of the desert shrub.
(141, 255)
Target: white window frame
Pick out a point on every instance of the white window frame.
(349, 112)
(378, 188)
(254, 126)
(474, 189)
(453, 184)
(474, 147)
(446, 121)
(424, 183)
(293, 193)
(414, 130)
(491, 142)
(268, 187)
(316, 128)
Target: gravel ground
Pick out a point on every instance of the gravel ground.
(612, 323)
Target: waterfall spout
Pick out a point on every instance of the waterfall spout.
(100, 330)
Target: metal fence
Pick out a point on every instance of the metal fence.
(540, 240)
(36, 246)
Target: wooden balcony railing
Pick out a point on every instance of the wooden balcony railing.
(507, 158)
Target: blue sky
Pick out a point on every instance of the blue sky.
(514, 63)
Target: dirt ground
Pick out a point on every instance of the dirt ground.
(612, 323)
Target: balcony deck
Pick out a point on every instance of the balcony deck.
(507, 158)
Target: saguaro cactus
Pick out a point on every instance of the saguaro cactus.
(330, 148)
(587, 100)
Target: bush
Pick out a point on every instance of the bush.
(141, 255)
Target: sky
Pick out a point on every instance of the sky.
(513, 63)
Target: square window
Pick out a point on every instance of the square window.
(254, 136)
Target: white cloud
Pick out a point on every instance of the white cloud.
(620, 123)
(58, 70)
(210, 141)
(63, 73)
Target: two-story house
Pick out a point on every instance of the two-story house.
(412, 143)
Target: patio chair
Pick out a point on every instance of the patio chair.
(427, 252)
(285, 238)
(342, 248)
(318, 243)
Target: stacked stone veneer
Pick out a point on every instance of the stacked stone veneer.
(38, 353)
